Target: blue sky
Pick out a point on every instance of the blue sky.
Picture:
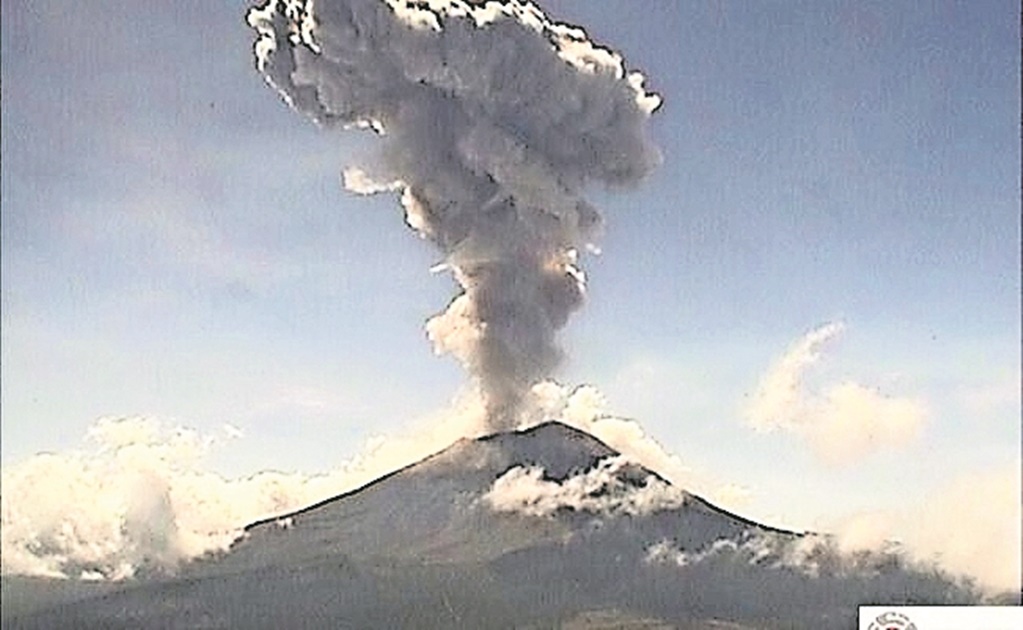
(176, 243)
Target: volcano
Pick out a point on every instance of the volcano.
(428, 546)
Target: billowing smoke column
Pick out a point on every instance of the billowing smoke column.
(493, 120)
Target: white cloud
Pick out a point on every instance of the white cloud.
(360, 182)
(780, 402)
(140, 493)
(601, 490)
(841, 422)
(971, 526)
(586, 409)
(812, 555)
(139, 497)
(753, 550)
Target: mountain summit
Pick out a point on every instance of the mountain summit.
(445, 509)
(537, 528)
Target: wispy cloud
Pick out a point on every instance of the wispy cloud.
(842, 421)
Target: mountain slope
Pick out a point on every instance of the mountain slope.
(427, 546)
(433, 511)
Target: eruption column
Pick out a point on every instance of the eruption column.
(492, 119)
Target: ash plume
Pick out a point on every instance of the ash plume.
(493, 119)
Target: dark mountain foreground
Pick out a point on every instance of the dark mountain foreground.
(424, 547)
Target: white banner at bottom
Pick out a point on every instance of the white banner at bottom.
(941, 617)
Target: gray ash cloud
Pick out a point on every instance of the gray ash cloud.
(492, 121)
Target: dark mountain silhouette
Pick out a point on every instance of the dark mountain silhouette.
(423, 548)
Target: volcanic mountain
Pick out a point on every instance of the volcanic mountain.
(547, 527)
